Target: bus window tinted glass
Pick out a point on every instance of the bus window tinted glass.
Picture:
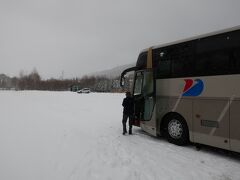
(175, 61)
(212, 63)
(215, 55)
(210, 56)
(163, 63)
(182, 60)
(235, 60)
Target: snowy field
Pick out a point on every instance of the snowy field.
(70, 136)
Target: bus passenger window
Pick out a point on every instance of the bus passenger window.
(235, 61)
(163, 65)
(213, 63)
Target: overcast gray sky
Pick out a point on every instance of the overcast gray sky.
(84, 36)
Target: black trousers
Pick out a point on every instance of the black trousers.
(124, 122)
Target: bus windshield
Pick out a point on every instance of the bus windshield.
(143, 83)
(148, 83)
(138, 83)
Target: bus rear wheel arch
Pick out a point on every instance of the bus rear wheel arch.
(175, 129)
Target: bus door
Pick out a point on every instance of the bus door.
(144, 100)
(138, 98)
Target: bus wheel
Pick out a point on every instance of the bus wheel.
(177, 130)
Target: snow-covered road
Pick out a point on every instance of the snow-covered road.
(70, 136)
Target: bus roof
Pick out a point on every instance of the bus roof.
(194, 38)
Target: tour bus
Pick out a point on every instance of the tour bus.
(189, 91)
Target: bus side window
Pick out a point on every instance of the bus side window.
(213, 56)
(218, 55)
(163, 64)
(213, 63)
(182, 60)
(235, 61)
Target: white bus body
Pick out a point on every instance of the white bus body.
(190, 90)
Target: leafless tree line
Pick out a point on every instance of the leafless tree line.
(33, 81)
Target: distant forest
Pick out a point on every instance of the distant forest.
(33, 81)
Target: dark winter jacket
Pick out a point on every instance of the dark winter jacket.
(128, 106)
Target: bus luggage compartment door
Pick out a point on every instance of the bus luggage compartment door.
(211, 122)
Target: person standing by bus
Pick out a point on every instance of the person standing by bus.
(128, 105)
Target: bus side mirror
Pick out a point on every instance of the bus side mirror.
(122, 80)
(123, 75)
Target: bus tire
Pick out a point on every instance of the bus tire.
(177, 130)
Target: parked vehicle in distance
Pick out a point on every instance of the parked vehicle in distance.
(84, 90)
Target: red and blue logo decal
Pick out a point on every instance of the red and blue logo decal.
(193, 87)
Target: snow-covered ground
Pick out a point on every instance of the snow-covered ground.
(70, 136)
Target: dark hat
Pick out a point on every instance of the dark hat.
(128, 93)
